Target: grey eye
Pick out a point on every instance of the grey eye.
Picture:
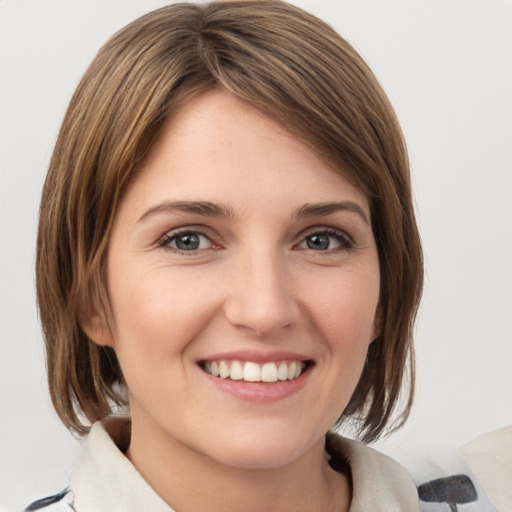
(318, 242)
(187, 242)
(326, 241)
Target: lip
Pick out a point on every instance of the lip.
(257, 356)
(261, 392)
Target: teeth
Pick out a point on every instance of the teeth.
(269, 372)
(236, 371)
(254, 372)
(223, 370)
(282, 373)
(291, 370)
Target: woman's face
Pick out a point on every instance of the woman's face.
(244, 280)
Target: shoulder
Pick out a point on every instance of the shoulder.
(378, 481)
(60, 502)
(382, 484)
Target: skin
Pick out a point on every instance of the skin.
(254, 284)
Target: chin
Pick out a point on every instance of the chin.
(258, 450)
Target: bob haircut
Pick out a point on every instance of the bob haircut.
(293, 68)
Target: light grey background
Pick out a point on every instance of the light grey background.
(447, 66)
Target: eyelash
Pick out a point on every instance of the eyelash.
(345, 241)
(167, 239)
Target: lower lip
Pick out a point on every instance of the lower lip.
(259, 391)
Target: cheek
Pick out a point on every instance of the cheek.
(157, 314)
(342, 313)
(344, 310)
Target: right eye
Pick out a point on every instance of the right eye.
(186, 241)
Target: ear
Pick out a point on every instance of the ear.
(97, 330)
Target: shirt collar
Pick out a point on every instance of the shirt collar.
(104, 480)
(379, 483)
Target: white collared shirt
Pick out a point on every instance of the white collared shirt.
(104, 480)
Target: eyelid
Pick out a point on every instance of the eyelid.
(327, 230)
(168, 239)
(172, 234)
(347, 242)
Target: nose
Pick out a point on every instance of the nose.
(260, 296)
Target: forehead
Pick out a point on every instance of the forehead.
(218, 148)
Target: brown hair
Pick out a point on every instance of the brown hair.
(287, 64)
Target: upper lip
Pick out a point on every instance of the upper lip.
(256, 356)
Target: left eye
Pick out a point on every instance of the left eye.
(189, 241)
(325, 240)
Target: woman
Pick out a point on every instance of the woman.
(227, 248)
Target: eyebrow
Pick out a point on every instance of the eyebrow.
(204, 208)
(322, 209)
(208, 209)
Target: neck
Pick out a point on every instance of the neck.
(191, 482)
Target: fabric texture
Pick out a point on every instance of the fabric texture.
(490, 458)
(104, 480)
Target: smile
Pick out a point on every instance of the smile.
(250, 371)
